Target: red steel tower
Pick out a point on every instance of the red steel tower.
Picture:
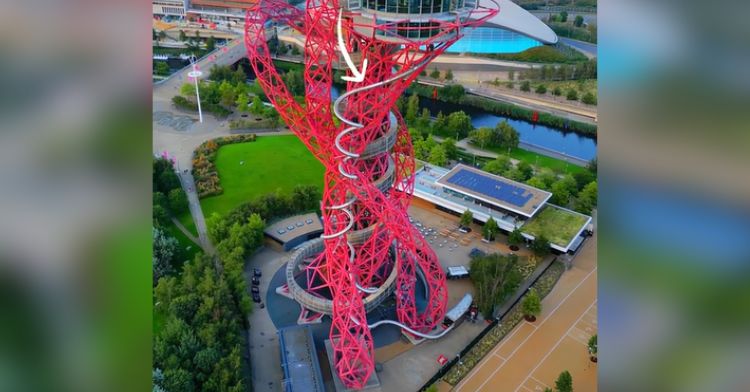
(370, 246)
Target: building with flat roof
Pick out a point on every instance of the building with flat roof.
(493, 191)
(294, 230)
(299, 360)
(510, 203)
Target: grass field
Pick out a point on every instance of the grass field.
(534, 159)
(270, 163)
(558, 225)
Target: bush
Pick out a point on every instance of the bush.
(572, 95)
(557, 91)
(449, 75)
(181, 102)
(526, 86)
(435, 74)
(204, 170)
(178, 201)
(541, 89)
(589, 98)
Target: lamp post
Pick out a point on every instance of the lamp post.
(195, 74)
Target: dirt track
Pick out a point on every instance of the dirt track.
(532, 356)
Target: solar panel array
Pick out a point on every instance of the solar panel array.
(491, 187)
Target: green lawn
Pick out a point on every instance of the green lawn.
(559, 226)
(534, 159)
(270, 163)
(187, 248)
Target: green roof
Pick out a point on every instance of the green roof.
(558, 225)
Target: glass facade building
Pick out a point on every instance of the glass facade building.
(413, 6)
(492, 40)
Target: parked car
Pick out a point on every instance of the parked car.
(255, 290)
(464, 229)
(256, 297)
(256, 272)
(256, 281)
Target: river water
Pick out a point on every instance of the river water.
(566, 143)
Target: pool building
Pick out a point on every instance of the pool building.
(510, 203)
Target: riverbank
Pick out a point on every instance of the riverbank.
(456, 94)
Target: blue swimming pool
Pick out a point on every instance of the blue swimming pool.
(492, 40)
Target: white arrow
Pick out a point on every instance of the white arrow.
(358, 76)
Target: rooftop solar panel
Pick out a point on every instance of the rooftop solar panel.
(491, 187)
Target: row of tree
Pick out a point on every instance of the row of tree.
(581, 71)
(503, 135)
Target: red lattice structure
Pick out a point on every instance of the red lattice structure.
(368, 157)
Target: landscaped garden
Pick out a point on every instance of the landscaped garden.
(558, 225)
(270, 163)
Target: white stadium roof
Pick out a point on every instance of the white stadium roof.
(513, 17)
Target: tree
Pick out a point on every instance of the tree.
(164, 250)
(183, 36)
(587, 199)
(526, 86)
(564, 382)
(572, 95)
(449, 74)
(495, 277)
(532, 305)
(593, 165)
(589, 98)
(449, 145)
(161, 68)
(490, 228)
(438, 156)
(594, 347)
(540, 245)
(466, 218)
(482, 136)
(412, 109)
(506, 136)
(159, 215)
(557, 91)
(435, 74)
(515, 237)
(178, 201)
(295, 50)
(510, 85)
(511, 75)
(257, 107)
(242, 103)
(578, 22)
(541, 89)
(423, 123)
(210, 43)
(460, 123)
(441, 123)
(498, 165)
(525, 169)
(563, 16)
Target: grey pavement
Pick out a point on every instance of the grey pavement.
(188, 184)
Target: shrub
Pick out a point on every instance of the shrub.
(589, 98)
(572, 95)
(435, 74)
(204, 170)
(449, 75)
(181, 102)
(541, 89)
(526, 86)
(557, 91)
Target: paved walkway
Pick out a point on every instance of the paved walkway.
(185, 231)
(532, 356)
